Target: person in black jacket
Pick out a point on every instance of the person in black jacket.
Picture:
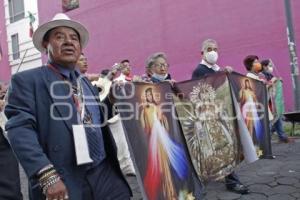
(208, 65)
(9, 169)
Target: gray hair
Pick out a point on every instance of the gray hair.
(207, 42)
(151, 59)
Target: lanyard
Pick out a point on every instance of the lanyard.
(78, 98)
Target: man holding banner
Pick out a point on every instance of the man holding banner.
(209, 65)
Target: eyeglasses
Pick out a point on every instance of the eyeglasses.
(161, 65)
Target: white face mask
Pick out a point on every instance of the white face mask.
(159, 76)
(270, 70)
(211, 57)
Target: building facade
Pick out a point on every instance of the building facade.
(4, 64)
(137, 28)
(18, 53)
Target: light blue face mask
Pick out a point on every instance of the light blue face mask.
(159, 77)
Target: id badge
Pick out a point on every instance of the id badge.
(81, 145)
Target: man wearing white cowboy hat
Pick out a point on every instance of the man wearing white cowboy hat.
(54, 119)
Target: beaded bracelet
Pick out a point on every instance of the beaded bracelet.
(49, 180)
(44, 182)
(45, 171)
(47, 175)
(48, 167)
(50, 183)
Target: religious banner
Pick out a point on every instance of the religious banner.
(207, 116)
(278, 97)
(252, 99)
(275, 98)
(183, 135)
(158, 148)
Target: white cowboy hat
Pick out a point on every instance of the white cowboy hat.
(59, 19)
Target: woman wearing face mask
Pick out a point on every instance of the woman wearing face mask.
(267, 71)
(267, 68)
(277, 107)
(253, 67)
(159, 66)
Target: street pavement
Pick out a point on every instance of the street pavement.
(267, 179)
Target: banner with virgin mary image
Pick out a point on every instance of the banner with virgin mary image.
(158, 149)
(275, 99)
(207, 116)
(252, 101)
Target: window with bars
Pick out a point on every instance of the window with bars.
(15, 46)
(16, 10)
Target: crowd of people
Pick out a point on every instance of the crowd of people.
(45, 146)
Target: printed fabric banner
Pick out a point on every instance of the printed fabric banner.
(207, 116)
(185, 135)
(279, 103)
(276, 102)
(158, 148)
(251, 96)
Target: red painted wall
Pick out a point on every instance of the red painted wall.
(135, 29)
